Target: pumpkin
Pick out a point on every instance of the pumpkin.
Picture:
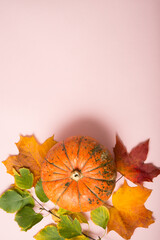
(78, 174)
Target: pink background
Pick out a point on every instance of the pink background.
(80, 67)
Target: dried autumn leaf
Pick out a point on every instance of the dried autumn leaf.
(55, 213)
(31, 155)
(132, 165)
(128, 211)
(79, 216)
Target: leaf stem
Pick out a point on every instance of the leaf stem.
(88, 236)
(119, 178)
(43, 208)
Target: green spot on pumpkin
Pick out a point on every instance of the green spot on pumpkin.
(96, 149)
(67, 184)
(90, 201)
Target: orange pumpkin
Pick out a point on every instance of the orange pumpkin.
(78, 174)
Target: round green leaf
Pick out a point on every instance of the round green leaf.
(48, 233)
(27, 218)
(69, 229)
(40, 192)
(27, 197)
(24, 180)
(100, 216)
(15, 199)
(11, 201)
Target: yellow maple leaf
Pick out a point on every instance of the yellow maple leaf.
(128, 211)
(31, 155)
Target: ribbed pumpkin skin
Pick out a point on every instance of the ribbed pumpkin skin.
(96, 169)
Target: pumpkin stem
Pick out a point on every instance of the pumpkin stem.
(76, 175)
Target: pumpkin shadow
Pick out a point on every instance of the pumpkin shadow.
(88, 127)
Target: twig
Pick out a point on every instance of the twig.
(43, 208)
(119, 178)
(88, 236)
(49, 211)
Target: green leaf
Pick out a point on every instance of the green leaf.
(24, 180)
(27, 197)
(69, 229)
(48, 233)
(80, 217)
(40, 192)
(100, 216)
(27, 218)
(11, 201)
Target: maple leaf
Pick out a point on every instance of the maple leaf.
(131, 165)
(31, 155)
(128, 211)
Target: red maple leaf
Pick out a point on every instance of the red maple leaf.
(132, 165)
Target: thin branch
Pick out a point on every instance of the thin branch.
(88, 236)
(43, 208)
(119, 178)
(49, 211)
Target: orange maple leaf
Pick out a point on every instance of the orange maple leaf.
(128, 211)
(31, 155)
(131, 165)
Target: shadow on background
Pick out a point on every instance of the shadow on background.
(88, 127)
